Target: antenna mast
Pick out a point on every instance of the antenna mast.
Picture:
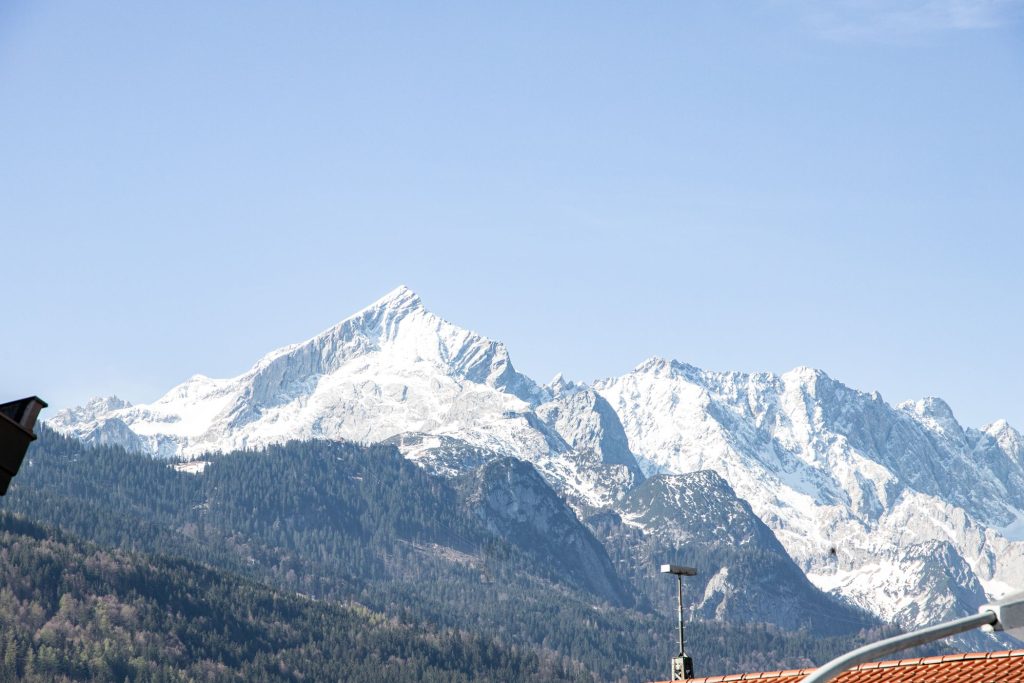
(682, 664)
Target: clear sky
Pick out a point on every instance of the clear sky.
(185, 186)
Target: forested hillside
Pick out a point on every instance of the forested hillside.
(341, 524)
(73, 611)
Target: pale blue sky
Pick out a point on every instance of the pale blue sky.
(739, 185)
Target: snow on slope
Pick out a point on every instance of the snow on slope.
(908, 500)
(601, 467)
(912, 503)
(391, 368)
(393, 371)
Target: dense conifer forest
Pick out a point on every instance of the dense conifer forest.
(73, 611)
(309, 558)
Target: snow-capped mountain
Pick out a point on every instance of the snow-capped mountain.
(391, 368)
(897, 509)
(393, 371)
(877, 503)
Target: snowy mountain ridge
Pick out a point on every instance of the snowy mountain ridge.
(315, 389)
(855, 489)
(898, 509)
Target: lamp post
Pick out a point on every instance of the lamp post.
(1002, 615)
(17, 418)
(682, 664)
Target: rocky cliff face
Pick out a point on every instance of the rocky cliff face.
(745, 574)
(600, 465)
(515, 502)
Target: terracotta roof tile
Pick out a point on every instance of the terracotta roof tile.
(1005, 666)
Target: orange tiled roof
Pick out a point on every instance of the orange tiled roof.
(1006, 666)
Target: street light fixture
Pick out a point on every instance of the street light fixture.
(682, 665)
(17, 418)
(1005, 615)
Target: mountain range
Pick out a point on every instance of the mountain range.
(896, 510)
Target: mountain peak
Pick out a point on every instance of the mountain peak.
(931, 408)
(805, 374)
(1008, 438)
(999, 427)
(560, 386)
(399, 298)
(96, 406)
(377, 320)
(658, 364)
